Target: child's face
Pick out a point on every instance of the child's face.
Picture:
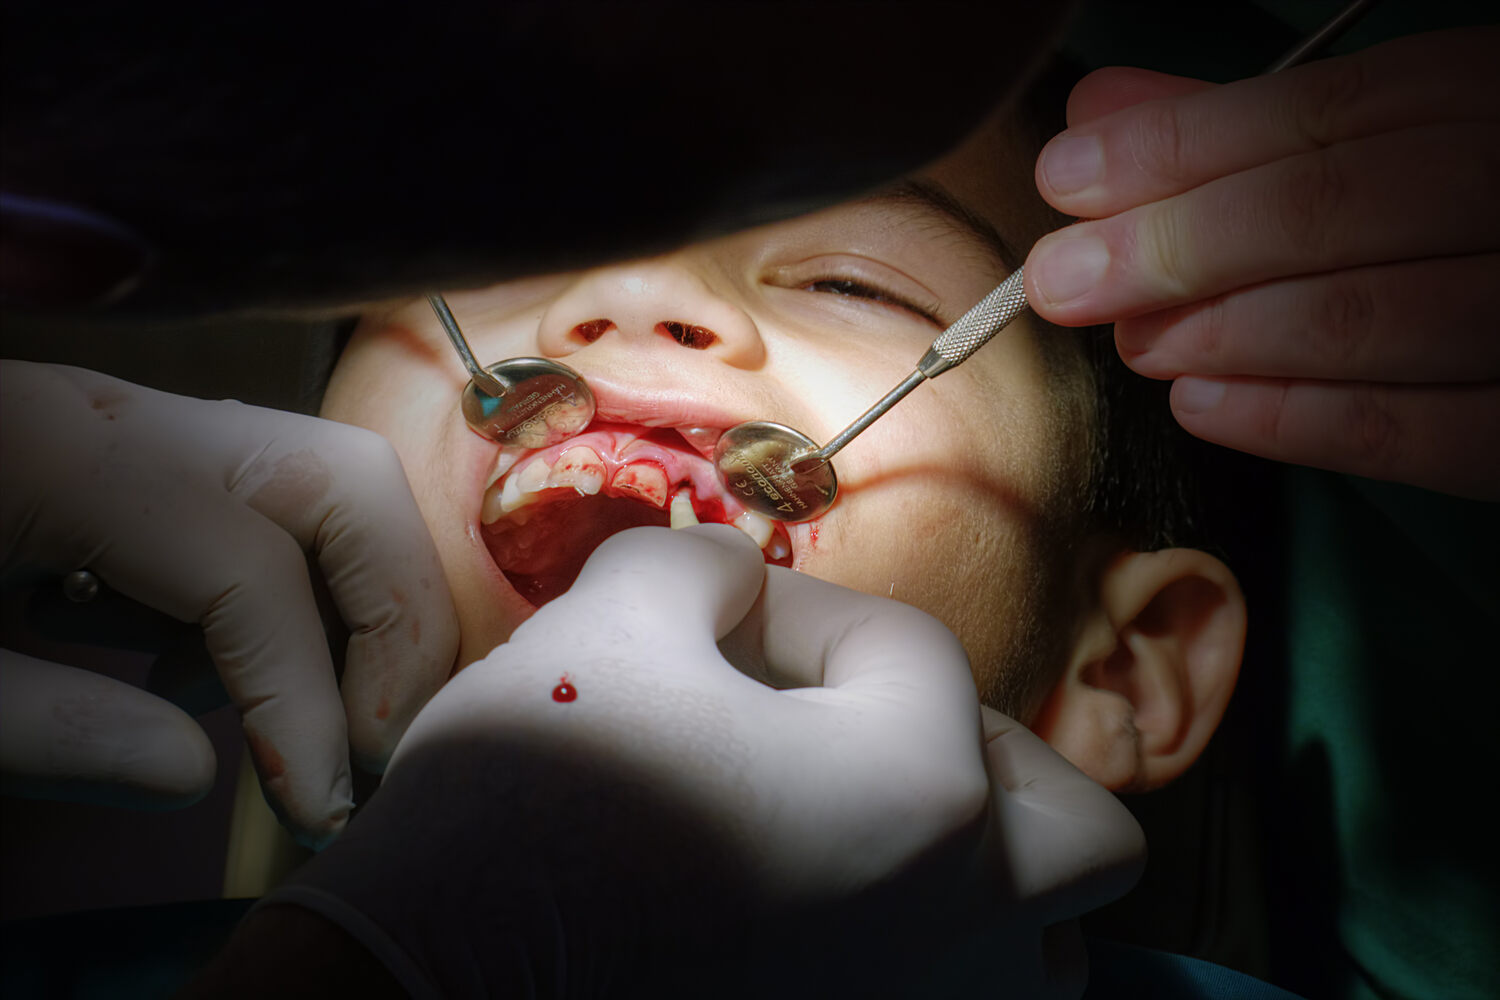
(809, 322)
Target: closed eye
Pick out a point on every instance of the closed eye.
(859, 290)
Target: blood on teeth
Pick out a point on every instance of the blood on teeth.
(580, 468)
(642, 480)
(640, 473)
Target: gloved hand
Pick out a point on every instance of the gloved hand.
(203, 510)
(1311, 255)
(604, 806)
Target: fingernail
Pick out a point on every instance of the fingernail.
(1196, 395)
(1064, 268)
(60, 254)
(1071, 163)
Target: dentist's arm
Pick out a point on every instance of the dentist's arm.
(208, 511)
(667, 825)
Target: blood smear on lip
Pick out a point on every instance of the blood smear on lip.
(564, 691)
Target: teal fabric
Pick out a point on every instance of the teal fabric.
(1389, 883)
(1126, 972)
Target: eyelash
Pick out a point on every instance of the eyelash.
(858, 289)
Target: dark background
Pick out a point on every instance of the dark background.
(1203, 890)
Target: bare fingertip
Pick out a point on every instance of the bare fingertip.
(1071, 164)
(1064, 268)
(1192, 395)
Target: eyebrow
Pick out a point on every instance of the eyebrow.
(933, 196)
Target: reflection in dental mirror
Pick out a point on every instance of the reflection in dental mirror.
(755, 462)
(519, 402)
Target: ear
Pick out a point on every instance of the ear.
(1151, 670)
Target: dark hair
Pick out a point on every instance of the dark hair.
(250, 144)
(1140, 488)
(1124, 473)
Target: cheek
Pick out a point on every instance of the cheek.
(382, 385)
(950, 546)
(947, 520)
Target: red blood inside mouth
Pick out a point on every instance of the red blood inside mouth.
(542, 548)
(543, 556)
(542, 545)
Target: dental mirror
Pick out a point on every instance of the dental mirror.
(783, 474)
(519, 402)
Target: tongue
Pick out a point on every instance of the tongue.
(543, 557)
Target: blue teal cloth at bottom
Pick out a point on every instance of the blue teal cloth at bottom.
(1125, 972)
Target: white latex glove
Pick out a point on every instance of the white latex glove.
(604, 806)
(203, 510)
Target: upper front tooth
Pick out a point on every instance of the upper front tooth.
(532, 478)
(682, 510)
(579, 467)
(511, 497)
(522, 488)
(757, 526)
(503, 463)
(643, 480)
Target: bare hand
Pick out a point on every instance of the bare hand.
(1310, 255)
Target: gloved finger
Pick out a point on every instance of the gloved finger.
(1440, 437)
(1352, 325)
(341, 493)
(821, 637)
(1058, 841)
(1395, 196)
(78, 736)
(1154, 150)
(662, 586)
(1114, 88)
(204, 557)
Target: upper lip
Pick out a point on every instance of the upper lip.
(659, 407)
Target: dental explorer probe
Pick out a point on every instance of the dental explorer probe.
(519, 402)
(783, 474)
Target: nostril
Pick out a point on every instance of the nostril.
(699, 338)
(593, 329)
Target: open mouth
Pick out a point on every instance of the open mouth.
(544, 511)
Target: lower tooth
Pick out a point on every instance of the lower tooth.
(757, 526)
(778, 548)
(682, 510)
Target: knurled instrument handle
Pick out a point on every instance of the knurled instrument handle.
(974, 328)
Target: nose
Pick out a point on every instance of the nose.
(658, 304)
